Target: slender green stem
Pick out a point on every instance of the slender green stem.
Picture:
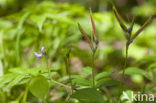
(25, 94)
(93, 76)
(123, 73)
(69, 74)
(61, 84)
(125, 63)
(47, 64)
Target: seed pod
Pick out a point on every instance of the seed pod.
(124, 28)
(93, 25)
(85, 36)
(141, 29)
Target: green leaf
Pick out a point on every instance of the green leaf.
(14, 82)
(88, 95)
(21, 22)
(39, 86)
(7, 78)
(107, 82)
(19, 32)
(134, 70)
(102, 75)
(20, 70)
(81, 81)
(87, 70)
(148, 87)
(154, 75)
(153, 65)
(40, 19)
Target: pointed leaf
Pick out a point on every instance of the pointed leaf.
(107, 82)
(81, 81)
(14, 82)
(89, 95)
(102, 75)
(20, 70)
(134, 70)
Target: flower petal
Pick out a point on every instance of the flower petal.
(42, 49)
(38, 55)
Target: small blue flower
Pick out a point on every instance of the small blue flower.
(39, 55)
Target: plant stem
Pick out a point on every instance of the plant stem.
(125, 64)
(123, 73)
(47, 64)
(25, 94)
(93, 76)
(69, 74)
(61, 84)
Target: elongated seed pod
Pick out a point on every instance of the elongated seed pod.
(141, 29)
(85, 36)
(93, 25)
(119, 20)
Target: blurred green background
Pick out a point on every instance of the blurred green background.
(26, 25)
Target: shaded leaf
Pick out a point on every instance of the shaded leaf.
(14, 82)
(7, 78)
(89, 95)
(106, 82)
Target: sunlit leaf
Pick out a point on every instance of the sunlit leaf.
(20, 70)
(81, 81)
(134, 70)
(39, 87)
(102, 75)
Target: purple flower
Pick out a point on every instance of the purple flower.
(39, 55)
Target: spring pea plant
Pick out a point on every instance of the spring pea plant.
(128, 35)
(41, 82)
(93, 42)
